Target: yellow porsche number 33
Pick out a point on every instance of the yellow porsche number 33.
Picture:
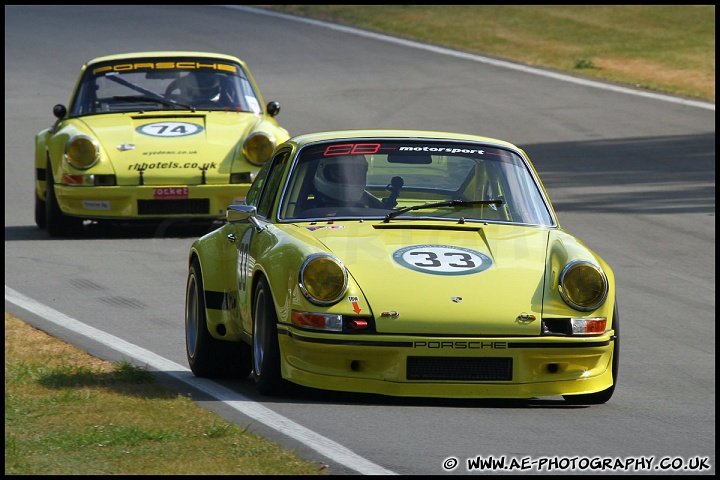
(405, 263)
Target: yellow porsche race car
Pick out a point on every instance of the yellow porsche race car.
(152, 136)
(403, 263)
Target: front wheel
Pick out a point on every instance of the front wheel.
(40, 218)
(604, 395)
(57, 223)
(266, 349)
(206, 355)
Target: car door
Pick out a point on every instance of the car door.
(263, 195)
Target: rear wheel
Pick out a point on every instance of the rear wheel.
(206, 355)
(57, 223)
(605, 395)
(266, 349)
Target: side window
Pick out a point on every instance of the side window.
(84, 101)
(250, 97)
(253, 193)
(272, 184)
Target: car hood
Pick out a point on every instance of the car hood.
(167, 147)
(431, 278)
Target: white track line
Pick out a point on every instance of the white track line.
(324, 446)
(477, 58)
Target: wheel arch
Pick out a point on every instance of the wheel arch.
(41, 174)
(221, 312)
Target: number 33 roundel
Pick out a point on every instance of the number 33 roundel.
(442, 259)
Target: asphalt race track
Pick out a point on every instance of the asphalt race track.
(632, 174)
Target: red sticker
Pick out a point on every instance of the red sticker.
(169, 193)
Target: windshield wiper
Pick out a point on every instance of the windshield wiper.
(162, 101)
(448, 203)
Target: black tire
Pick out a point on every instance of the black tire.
(266, 349)
(605, 395)
(40, 213)
(207, 356)
(57, 223)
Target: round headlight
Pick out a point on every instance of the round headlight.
(583, 285)
(323, 279)
(82, 152)
(258, 148)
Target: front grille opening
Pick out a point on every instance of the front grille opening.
(193, 206)
(459, 368)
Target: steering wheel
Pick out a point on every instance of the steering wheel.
(372, 201)
(178, 92)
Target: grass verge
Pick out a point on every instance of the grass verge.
(69, 413)
(664, 48)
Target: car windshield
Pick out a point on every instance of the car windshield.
(419, 179)
(164, 84)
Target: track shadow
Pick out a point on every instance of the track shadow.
(652, 175)
(297, 394)
(108, 231)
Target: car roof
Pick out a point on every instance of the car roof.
(390, 134)
(163, 54)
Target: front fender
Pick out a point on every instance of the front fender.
(279, 256)
(41, 158)
(563, 249)
(51, 143)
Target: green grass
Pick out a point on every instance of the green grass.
(68, 413)
(669, 49)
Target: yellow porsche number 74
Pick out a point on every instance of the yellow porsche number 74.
(153, 136)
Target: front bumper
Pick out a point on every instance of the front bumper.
(460, 367)
(148, 201)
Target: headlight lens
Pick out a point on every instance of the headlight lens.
(323, 279)
(583, 285)
(82, 152)
(258, 147)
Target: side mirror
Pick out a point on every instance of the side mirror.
(273, 108)
(60, 111)
(239, 213)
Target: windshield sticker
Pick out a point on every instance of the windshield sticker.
(436, 150)
(442, 260)
(170, 129)
(451, 151)
(254, 105)
(164, 65)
